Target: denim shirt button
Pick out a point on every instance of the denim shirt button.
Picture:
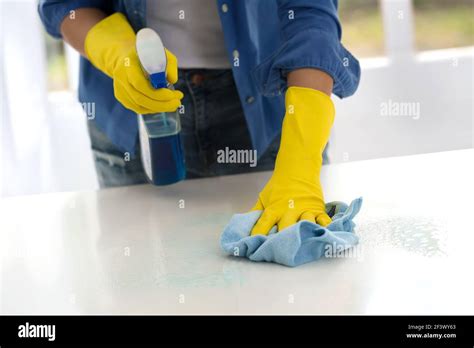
(225, 8)
(250, 100)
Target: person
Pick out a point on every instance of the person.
(252, 75)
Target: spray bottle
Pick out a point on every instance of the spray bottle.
(160, 142)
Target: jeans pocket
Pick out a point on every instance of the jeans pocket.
(108, 158)
(114, 170)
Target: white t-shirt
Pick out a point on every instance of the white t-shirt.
(190, 29)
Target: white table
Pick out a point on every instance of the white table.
(134, 250)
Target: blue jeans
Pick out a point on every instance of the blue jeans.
(213, 119)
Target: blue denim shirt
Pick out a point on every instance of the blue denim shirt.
(265, 39)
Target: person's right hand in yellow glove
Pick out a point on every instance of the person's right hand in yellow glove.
(110, 46)
(294, 192)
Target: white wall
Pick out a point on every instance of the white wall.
(440, 81)
(44, 144)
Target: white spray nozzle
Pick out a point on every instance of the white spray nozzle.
(152, 56)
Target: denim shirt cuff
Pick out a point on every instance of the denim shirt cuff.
(311, 48)
(53, 14)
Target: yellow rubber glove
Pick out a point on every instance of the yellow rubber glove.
(110, 46)
(294, 191)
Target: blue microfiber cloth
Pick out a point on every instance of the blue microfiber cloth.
(298, 244)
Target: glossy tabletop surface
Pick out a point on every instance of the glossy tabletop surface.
(150, 250)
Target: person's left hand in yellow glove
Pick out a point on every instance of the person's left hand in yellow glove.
(110, 46)
(294, 191)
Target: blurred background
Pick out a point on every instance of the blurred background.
(417, 53)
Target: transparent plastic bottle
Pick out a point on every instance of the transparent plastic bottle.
(161, 148)
(160, 140)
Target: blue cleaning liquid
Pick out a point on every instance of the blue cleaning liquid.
(166, 150)
(167, 159)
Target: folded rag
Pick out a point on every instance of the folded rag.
(298, 244)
